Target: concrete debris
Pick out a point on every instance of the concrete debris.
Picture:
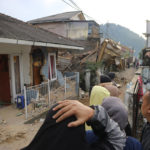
(42, 120)
(19, 114)
(3, 122)
(82, 93)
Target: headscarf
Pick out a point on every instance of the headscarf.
(111, 75)
(116, 110)
(104, 79)
(98, 93)
(114, 91)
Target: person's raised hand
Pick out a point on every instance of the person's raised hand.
(69, 108)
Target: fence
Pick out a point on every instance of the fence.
(41, 97)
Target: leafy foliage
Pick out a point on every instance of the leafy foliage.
(93, 66)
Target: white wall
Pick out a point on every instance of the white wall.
(73, 30)
(24, 52)
(26, 64)
(58, 28)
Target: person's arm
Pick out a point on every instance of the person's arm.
(97, 117)
(69, 108)
(101, 121)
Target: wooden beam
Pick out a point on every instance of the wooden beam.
(100, 55)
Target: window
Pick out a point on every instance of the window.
(52, 66)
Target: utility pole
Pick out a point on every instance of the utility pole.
(107, 30)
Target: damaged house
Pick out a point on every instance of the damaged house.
(28, 56)
(74, 26)
(114, 56)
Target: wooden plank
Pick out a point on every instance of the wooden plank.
(85, 58)
(100, 55)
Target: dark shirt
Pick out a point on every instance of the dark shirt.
(145, 139)
(132, 144)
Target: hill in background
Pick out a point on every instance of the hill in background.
(123, 35)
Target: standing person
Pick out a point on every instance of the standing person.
(145, 108)
(63, 129)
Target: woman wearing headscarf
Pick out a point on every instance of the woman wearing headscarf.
(98, 93)
(118, 112)
(101, 91)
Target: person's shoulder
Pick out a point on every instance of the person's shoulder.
(132, 139)
(147, 126)
(133, 142)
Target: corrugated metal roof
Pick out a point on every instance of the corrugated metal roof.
(12, 28)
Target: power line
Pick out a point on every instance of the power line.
(75, 6)
(69, 4)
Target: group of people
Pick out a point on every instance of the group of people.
(71, 125)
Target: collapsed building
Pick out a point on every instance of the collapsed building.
(74, 26)
(114, 56)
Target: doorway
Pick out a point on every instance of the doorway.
(5, 96)
(37, 56)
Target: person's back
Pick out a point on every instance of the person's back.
(63, 129)
(117, 111)
(132, 144)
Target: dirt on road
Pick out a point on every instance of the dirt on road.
(14, 134)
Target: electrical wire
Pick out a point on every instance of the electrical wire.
(70, 5)
(75, 4)
(76, 7)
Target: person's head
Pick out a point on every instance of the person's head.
(114, 91)
(145, 108)
(111, 75)
(116, 110)
(98, 93)
(104, 79)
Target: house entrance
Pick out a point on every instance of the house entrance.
(37, 56)
(5, 96)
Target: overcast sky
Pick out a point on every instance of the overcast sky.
(129, 13)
